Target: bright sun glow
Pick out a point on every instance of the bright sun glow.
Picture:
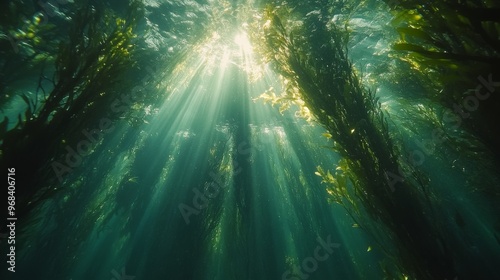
(242, 41)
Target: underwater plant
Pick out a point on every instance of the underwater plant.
(311, 57)
(90, 70)
(28, 43)
(453, 47)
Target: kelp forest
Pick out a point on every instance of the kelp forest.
(247, 139)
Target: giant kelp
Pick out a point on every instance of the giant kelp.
(311, 56)
(28, 42)
(90, 68)
(454, 48)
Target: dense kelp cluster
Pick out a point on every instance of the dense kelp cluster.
(453, 48)
(91, 67)
(28, 43)
(100, 106)
(311, 56)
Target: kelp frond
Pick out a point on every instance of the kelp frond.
(311, 56)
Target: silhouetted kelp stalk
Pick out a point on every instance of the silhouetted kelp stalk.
(218, 180)
(311, 57)
(90, 69)
(91, 137)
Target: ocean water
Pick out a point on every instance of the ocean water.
(198, 140)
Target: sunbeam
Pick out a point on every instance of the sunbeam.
(217, 139)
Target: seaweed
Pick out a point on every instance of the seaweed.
(449, 44)
(311, 57)
(89, 72)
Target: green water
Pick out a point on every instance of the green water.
(161, 140)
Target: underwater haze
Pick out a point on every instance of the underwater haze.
(250, 139)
